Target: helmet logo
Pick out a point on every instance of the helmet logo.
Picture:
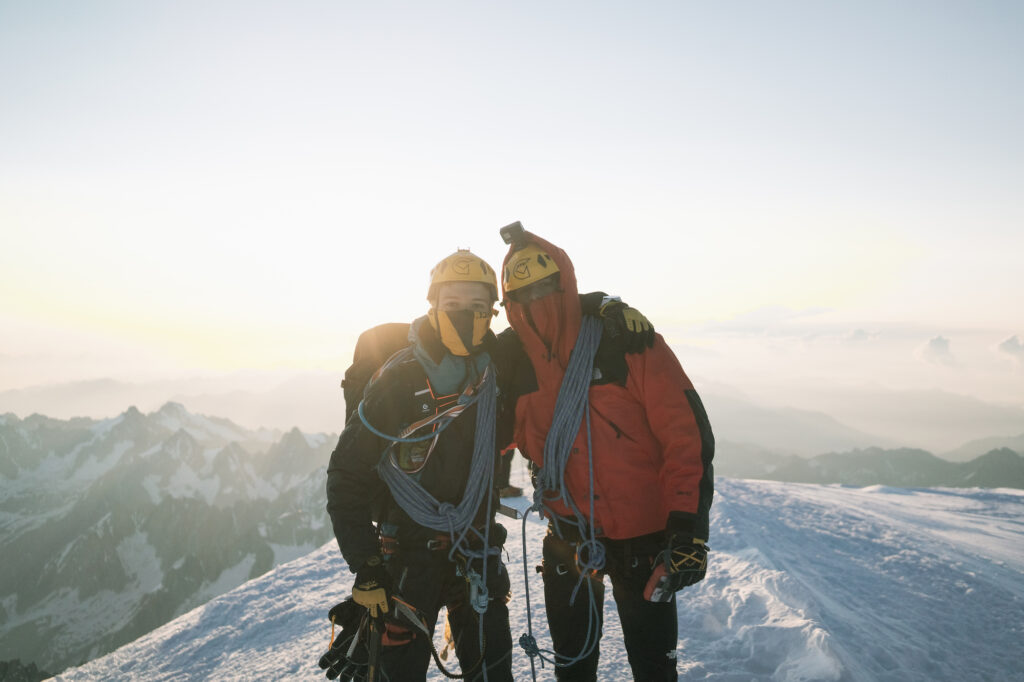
(522, 269)
(462, 266)
(527, 265)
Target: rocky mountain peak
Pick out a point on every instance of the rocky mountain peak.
(173, 409)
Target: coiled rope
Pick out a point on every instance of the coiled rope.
(420, 505)
(571, 409)
(457, 520)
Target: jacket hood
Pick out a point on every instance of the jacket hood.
(548, 326)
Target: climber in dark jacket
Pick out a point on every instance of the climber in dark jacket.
(415, 520)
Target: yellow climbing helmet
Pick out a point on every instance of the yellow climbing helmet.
(462, 266)
(527, 266)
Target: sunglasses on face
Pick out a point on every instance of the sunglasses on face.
(535, 291)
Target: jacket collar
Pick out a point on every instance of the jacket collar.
(447, 373)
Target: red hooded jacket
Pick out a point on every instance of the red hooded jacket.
(652, 442)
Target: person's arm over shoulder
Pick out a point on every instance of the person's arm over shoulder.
(626, 327)
(353, 486)
(515, 377)
(680, 423)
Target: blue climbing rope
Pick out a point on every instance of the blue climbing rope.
(457, 520)
(571, 411)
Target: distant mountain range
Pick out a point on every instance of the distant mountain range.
(784, 430)
(312, 402)
(829, 419)
(902, 467)
(975, 447)
(110, 528)
(936, 420)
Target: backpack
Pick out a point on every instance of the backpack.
(374, 347)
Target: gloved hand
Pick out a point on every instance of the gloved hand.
(684, 562)
(636, 331)
(347, 656)
(372, 588)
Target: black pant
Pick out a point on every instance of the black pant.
(649, 629)
(427, 580)
(503, 469)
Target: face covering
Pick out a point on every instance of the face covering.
(461, 331)
(546, 317)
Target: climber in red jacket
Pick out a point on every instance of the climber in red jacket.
(641, 434)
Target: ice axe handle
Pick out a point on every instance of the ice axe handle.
(374, 636)
(513, 233)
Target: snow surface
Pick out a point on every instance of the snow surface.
(173, 416)
(806, 583)
(315, 440)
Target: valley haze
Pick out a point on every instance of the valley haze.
(828, 418)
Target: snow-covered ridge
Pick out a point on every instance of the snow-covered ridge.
(807, 582)
(173, 416)
(110, 527)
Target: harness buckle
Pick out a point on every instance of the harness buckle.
(388, 545)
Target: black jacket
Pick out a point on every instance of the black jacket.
(357, 497)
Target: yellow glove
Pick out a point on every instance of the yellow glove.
(635, 329)
(372, 587)
(635, 321)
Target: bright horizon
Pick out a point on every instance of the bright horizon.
(799, 195)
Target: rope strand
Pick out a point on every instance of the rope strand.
(571, 410)
(457, 520)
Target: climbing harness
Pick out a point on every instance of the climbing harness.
(456, 520)
(422, 507)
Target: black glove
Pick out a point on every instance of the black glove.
(684, 562)
(344, 658)
(372, 588)
(629, 324)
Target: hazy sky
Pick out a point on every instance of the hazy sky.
(797, 193)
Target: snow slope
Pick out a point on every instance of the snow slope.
(806, 583)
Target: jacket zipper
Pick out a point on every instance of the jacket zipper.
(619, 433)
